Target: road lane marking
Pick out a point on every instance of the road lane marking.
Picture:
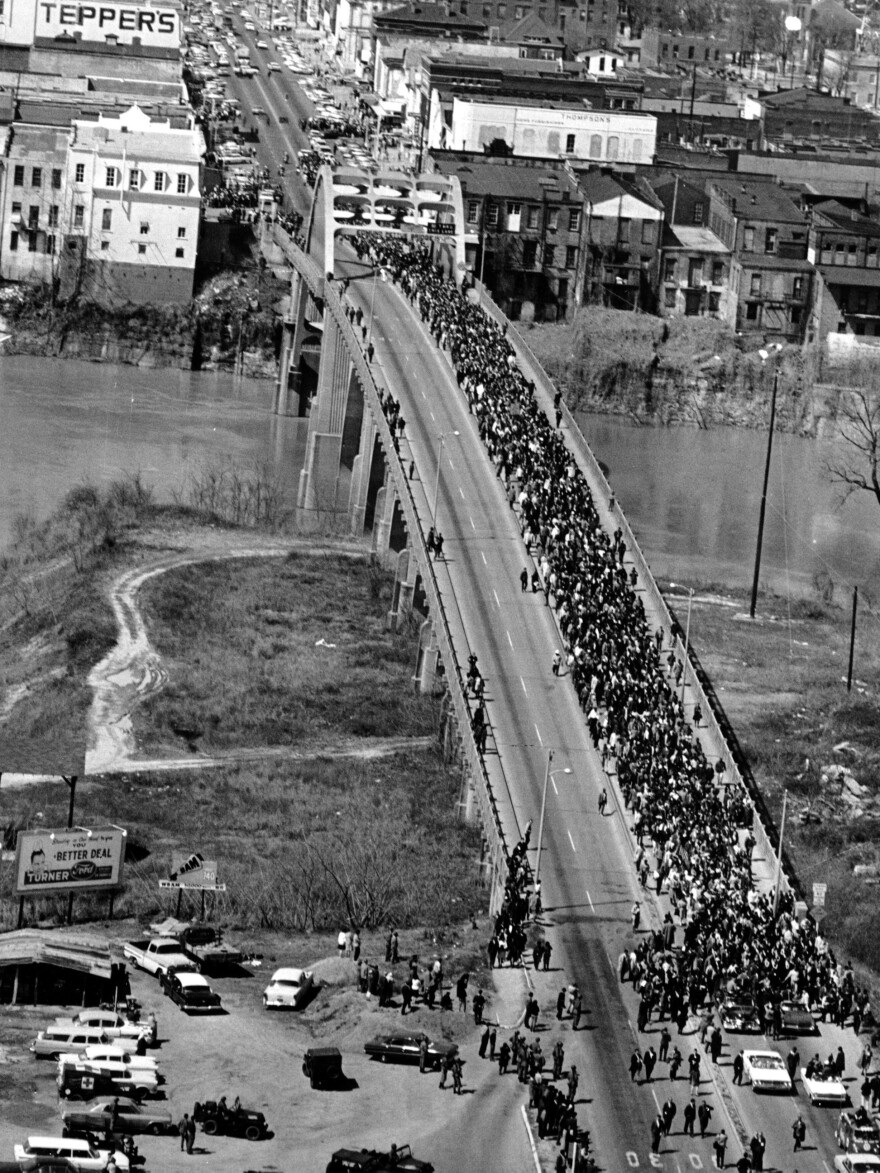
(451, 465)
(571, 841)
(553, 780)
(485, 563)
(497, 603)
(537, 730)
(471, 520)
(433, 417)
(523, 683)
(590, 898)
(509, 640)
(461, 490)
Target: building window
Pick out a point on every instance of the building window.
(770, 240)
(106, 219)
(142, 248)
(872, 256)
(571, 257)
(553, 142)
(797, 287)
(569, 144)
(181, 233)
(530, 254)
(36, 177)
(717, 272)
(159, 181)
(714, 303)
(79, 216)
(16, 207)
(755, 285)
(552, 219)
(53, 216)
(795, 313)
(549, 255)
(532, 218)
(613, 146)
(669, 269)
(182, 184)
(56, 178)
(492, 215)
(145, 228)
(80, 173)
(690, 52)
(105, 246)
(669, 296)
(695, 272)
(851, 255)
(134, 180)
(32, 242)
(752, 308)
(110, 177)
(749, 239)
(13, 242)
(473, 211)
(623, 228)
(647, 232)
(18, 176)
(698, 212)
(178, 252)
(50, 244)
(502, 11)
(33, 216)
(595, 146)
(574, 219)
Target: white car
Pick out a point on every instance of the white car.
(857, 1163)
(114, 1025)
(79, 1153)
(288, 989)
(112, 1054)
(824, 1091)
(766, 1071)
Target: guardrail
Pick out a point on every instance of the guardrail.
(764, 832)
(486, 801)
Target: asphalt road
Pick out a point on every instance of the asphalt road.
(587, 875)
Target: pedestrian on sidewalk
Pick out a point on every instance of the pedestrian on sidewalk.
(799, 1132)
(603, 800)
(524, 580)
(704, 1113)
(719, 1144)
(635, 1066)
(557, 660)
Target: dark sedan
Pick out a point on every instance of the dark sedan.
(740, 1016)
(795, 1019)
(401, 1047)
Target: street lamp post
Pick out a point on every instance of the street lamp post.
(763, 510)
(442, 439)
(548, 774)
(687, 644)
(779, 855)
(377, 272)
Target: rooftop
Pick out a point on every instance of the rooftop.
(507, 181)
(759, 200)
(49, 947)
(695, 238)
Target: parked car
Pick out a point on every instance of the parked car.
(158, 955)
(322, 1067)
(217, 1120)
(402, 1047)
(87, 1081)
(288, 988)
(857, 1132)
(128, 1117)
(114, 1025)
(79, 1152)
(766, 1071)
(739, 1015)
(114, 1053)
(797, 1020)
(134, 1081)
(191, 992)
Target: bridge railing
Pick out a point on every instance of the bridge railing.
(764, 832)
(490, 811)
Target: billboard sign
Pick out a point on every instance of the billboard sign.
(158, 27)
(68, 861)
(195, 873)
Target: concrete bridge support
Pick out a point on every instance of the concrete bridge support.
(293, 328)
(320, 477)
(361, 472)
(427, 661)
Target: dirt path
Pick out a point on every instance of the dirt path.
(132, 670)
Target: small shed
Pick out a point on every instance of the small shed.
(44, 966)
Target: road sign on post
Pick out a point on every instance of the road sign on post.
(819, 891)
(195, 874)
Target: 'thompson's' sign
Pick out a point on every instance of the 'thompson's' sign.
(95, 22)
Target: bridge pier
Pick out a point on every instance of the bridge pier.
(293, 332)
(361, 471)
(319, 479)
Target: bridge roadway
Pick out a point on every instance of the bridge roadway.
(587, 873)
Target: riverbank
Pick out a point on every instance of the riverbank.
(689, 371)
(229, 326)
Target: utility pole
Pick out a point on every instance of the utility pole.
(779, 853)
(763, 509)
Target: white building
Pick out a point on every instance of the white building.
(535, 130)
(108, 208)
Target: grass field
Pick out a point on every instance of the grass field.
(277, 651)
(783, 684)
(301, 846)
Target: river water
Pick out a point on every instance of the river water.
(691, 496)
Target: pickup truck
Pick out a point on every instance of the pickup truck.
(159, 955)
(203, 943)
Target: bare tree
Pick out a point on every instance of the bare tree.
(858, 469)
